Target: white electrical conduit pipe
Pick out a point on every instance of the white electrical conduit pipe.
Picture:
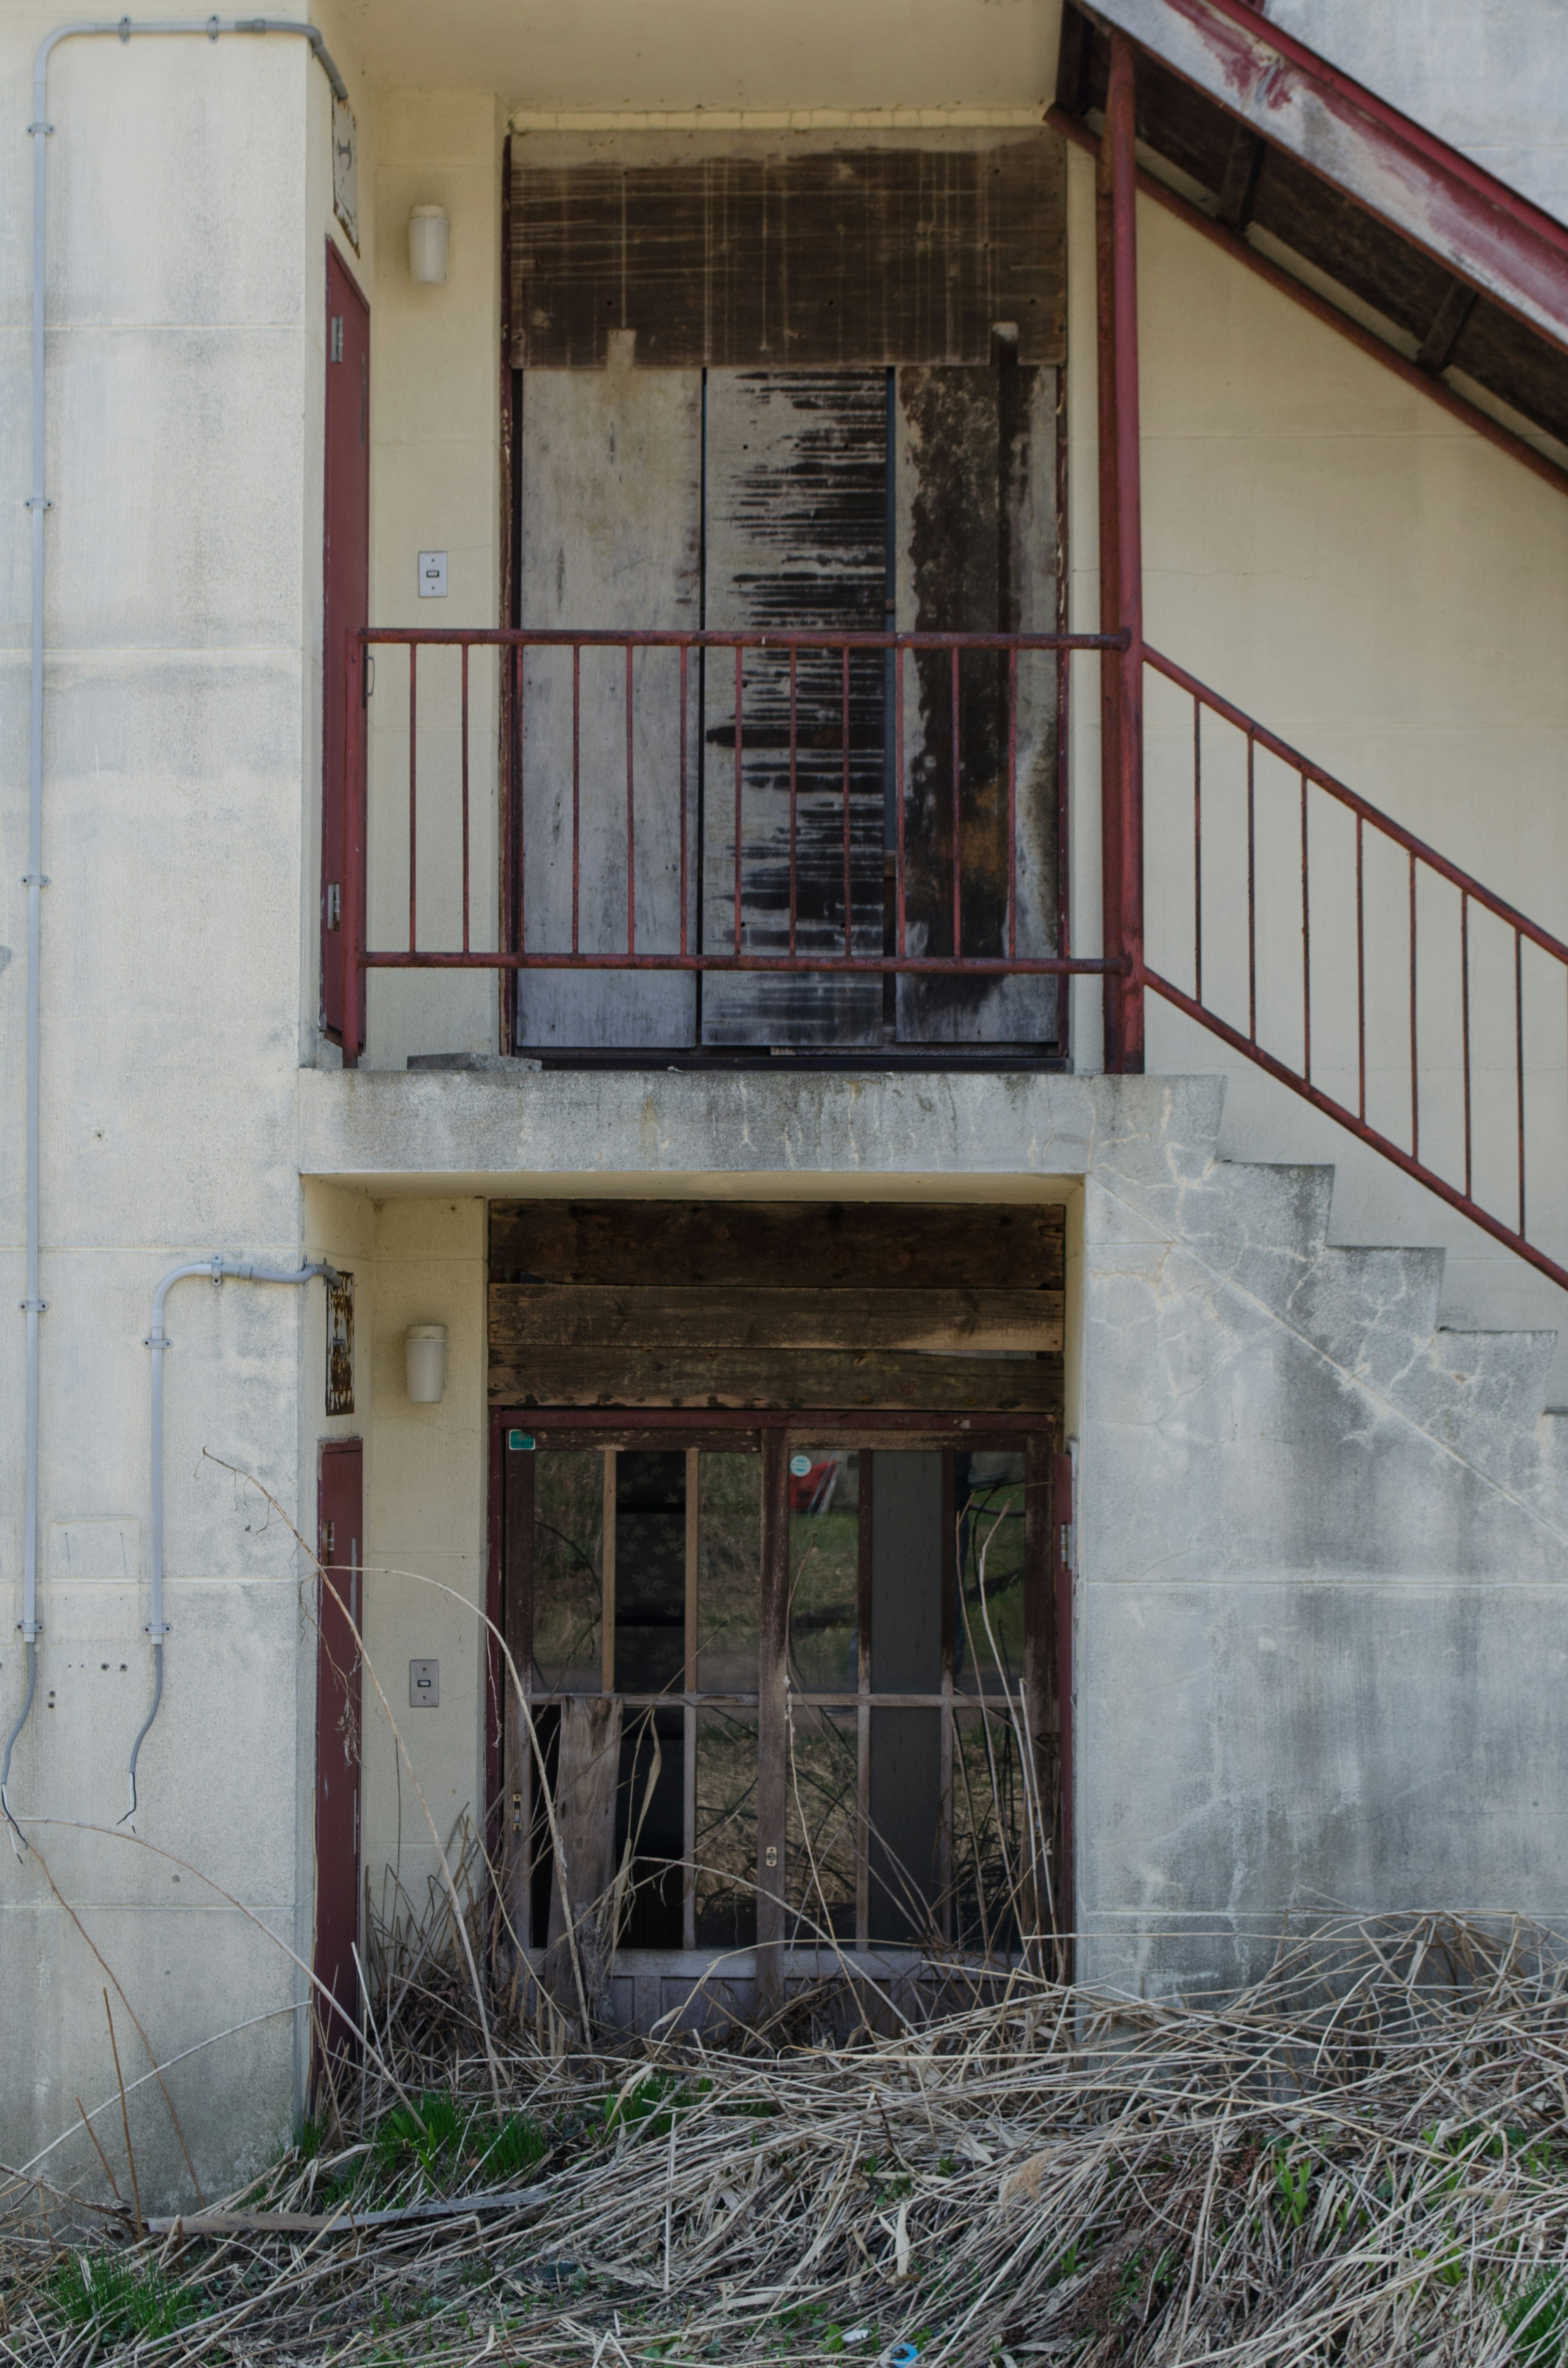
(216, 1270)
(39, 503)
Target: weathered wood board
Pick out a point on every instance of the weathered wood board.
(795, 535)
(800, 1244)
(787, 249)
(978, 554)
(772, 1377)
(609, 484)
(524, 1315)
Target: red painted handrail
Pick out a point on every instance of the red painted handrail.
(1421, 864)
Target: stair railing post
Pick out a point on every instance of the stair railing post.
(1121, 565)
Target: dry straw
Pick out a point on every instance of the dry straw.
(1362, 2159)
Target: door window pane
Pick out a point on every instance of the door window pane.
(906, 1572)
(905, 1825)
(825, 1567)
(650, 1836)
(992, 1875)
(725, 1852)
(821, 1825)
(568, 1569)
(729, 1572)
(650, 1572)
(988, 1649)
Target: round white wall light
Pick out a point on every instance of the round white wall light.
(428, 230)
(424, 1354)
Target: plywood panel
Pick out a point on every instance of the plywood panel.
(773, 1377)
(611, 493)
(786, 250)
(978, 554)
(571, 1316)
(796, 539)
(802, 1245)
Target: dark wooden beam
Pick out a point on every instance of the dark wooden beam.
(1240, 183)
(1450, 319)
(772, 1378)
(524, 1315)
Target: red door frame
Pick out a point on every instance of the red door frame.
(345, 609)
(340, 1500)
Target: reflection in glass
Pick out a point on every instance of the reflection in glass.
(820, 1830)
(824, 1564)
(649, 1571)
(729, 1572)
(988, 1647)
(992, 1888)
(568, 1545)
(725, 1852)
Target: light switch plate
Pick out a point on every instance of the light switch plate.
(432, 574)
(424, 1685)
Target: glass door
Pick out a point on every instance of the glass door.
(788, 1684)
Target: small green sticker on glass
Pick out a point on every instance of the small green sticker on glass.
(521, 1442)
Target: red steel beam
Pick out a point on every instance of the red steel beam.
(1121, 566)
(1477, 227)
(1231, 243)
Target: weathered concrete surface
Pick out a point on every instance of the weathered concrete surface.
(1322, 1593)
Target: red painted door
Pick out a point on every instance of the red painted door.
(346, 604)
(340, 1589)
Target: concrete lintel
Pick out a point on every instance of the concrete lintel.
(917, 1137)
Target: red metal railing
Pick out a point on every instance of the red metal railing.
(1352, 961)
(796, 722)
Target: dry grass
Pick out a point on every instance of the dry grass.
(1362, 2160)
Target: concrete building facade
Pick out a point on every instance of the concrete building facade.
(1306, 1627)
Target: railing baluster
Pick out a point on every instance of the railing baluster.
(740, 694)
(793, 798)
(1360, 978)
(898, 791)
(1414, 1049)
(519, 656)
(1464, 1019)
(1252, 894)
(576, 785)
(1197, 850)
(1013, 806)
(412, 795)
(1520, 1060)
(630, 821)
(465, 791)
(522, 809)
(957, 815)
(684, 792)
(1306, 948)
(844, 706)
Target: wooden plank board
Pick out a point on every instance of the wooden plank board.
(795, 539)
(804, 1245)
(574, 1315)
(773, 1377)
(609, 495)
(978, 553)
(732, 250)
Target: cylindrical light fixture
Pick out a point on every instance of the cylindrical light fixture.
(427, 233)
(424, 1356)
